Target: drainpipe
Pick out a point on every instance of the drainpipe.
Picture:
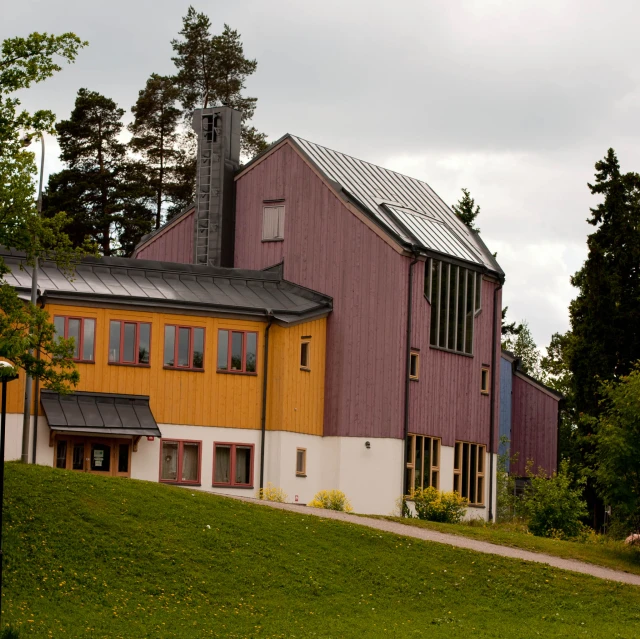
(37, 400)
(264, 396)
(407, 380)
(493, 399)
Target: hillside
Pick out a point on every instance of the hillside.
(97, 557)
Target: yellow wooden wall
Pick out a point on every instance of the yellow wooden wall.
(296, 397)
(187, 397)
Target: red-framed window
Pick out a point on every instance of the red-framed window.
(184, 347)
(83, 331)
(129, 342)
(237, 351)
(233, 464)
(180, 461)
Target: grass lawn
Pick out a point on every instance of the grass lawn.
(600, 551)
(96, 557)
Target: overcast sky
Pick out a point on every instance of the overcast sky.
(513, 100)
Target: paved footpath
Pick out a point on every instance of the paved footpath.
(458, 541)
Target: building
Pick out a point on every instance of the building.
(529, 413)
(411, 394)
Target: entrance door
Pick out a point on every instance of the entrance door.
(100, 456)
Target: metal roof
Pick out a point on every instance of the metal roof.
(408, 208)
(102, 413)
(168, 284)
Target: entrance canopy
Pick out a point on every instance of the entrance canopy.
(100, 414)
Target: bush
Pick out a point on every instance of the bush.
(507, 503)
(554, 505)
(432, 505)
(331, 500)
(272, 493)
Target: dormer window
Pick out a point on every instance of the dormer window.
(273, 222)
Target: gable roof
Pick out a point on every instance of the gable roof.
(406, 208)
(516, 369)
(163, 285)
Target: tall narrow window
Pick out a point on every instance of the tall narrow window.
(180, 461)
(233, 465)
(129, 342)
(184, 347)
(305, 363)
(422, 462)
(301, 462)
(468, 471)
(414, 365)
(83, 332)
(237, 351)
(484, 380)
(273, 222)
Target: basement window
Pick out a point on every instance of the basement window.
(273, 222)
(414, 366)
(422, 462)
(484, 380)
(233, 464)
(180, 461)
(468, 472)
(301, 462)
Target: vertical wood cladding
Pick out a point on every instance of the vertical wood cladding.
(204, 398)
(533, 428)
(328, 249)
(173, 244)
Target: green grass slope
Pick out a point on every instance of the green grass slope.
(88, 556)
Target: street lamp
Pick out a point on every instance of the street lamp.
(26, 417)
(7, 374)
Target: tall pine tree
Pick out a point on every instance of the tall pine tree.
(212, 70)
(467, 210)
(100, 189)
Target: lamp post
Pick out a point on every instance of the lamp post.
(7, 374)
(26, 417)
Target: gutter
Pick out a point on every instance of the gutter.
(493, 398)
(407, 381)
(263, 419)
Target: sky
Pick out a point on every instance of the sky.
(515, 101)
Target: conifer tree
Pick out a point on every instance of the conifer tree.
(155, 137)
(524, 347)
(212, 70)
(467, 210)
(99, 188)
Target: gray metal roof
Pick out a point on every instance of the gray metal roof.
(171, 285)
(102, 413)
(408, 208)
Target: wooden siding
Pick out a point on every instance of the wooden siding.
(446, 402)
(185, 397)
(172, 244)
(533, 428)
(330, 250)
(296, 397)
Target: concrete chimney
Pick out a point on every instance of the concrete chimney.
(218, 130)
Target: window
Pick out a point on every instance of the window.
(273, 222)
(301, 462)
(468, 471)
(414, 365)
(237, 351)
(233, 465)
(83, 332)
(305, 350)
(423, 462)
(454, 293)
(184, 347)
(179, 461)
(484, 380)
(129, 342)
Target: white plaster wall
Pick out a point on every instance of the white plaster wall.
(13, 440)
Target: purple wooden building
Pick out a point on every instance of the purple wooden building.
(413, 342)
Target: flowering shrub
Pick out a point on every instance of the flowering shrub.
(331, 500)
(272, 493)
(432, 505)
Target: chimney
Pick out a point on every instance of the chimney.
(218, 131)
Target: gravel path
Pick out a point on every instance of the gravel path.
(458, 541)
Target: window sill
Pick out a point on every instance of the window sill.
(301, 474)
(476, 506)
(131, 364)
(485, 393)
(232, 486)
(180, 483)
(414, 379)
(237, 373)
(180, 368)
(451, 352)
(84, 361)
(305, 369)
(275, 239)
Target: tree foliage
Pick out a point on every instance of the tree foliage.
(212, 70)
(509, 330)
(467, 210)
(524, 347)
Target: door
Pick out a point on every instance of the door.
(96, 455)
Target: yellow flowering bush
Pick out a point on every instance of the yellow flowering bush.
(432, 505)
(331, 500)
(272, 493)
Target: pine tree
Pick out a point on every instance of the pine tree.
(212, 70)
(467, 211)
(155, 137)
(524, 347)
(99, 188)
